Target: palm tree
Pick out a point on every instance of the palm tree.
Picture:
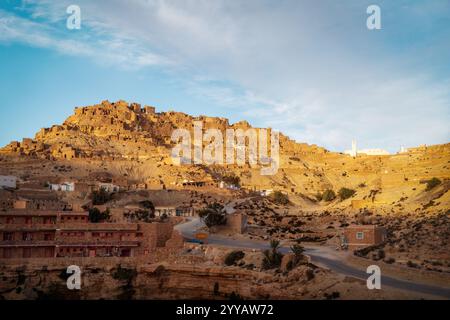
(298, 253)
(272, 258)
(274, 244)
(297, 249)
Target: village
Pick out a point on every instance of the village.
(101, 191)
(38, 224)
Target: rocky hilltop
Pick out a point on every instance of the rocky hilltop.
(133, 143)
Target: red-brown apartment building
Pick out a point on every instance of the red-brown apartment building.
(33, 233)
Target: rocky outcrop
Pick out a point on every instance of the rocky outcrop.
(134, 142)
(129, 280)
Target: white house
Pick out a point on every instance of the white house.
(369, 152)
(65, 186)
(174, 211)
(8, 182)
(266, 193)
(109, 187)
(224, 185)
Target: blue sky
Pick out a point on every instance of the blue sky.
(310, 69)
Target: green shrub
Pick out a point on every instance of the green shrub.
(272, 257)
(231, 179)
(124, 274)
(96, 216)
(432, 183)
(298, 254)
(100, 197)
(214, 214)
(328, 195)
(345, 193)
(147, 204)
(234, 256)
(318, 196)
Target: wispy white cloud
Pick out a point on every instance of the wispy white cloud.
(108, 48)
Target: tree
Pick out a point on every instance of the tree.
(280, 198)
(100, 197)
(434, 182)
(328, 195)
(298, 253)
(233, 257)
(147, 204)
(272, 257)
(345, 193)
(214, 214)
(96, 216)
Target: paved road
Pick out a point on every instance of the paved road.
(321, 256)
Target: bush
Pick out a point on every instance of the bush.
(412, 264)
(213, 215)
(328, 195)
(345, 193)
(298, 254)
(272, 257)
(124, 274)
(280, 198)
(233, 257)
(96, 216)
(147, 204)
(432, 184)
(318, 196)
(100, 197)
(231, 179)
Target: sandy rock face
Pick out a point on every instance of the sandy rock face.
(120, 131)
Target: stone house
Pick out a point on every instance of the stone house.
(27, 234)
(360, 236)
(65, 186)
(174, 211)
(108, 187)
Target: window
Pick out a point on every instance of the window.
(360, 235)
(26, 236)
(7, 253)
(8, 236)
(48, 237)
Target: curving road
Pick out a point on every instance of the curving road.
(321, 256)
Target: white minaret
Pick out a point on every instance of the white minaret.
(354, 152)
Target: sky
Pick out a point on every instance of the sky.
(311, 69)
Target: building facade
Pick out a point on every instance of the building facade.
(174, 211)
(26, 233)
(66, 186)
(360, 236)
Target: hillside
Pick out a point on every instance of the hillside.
(133, 143)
